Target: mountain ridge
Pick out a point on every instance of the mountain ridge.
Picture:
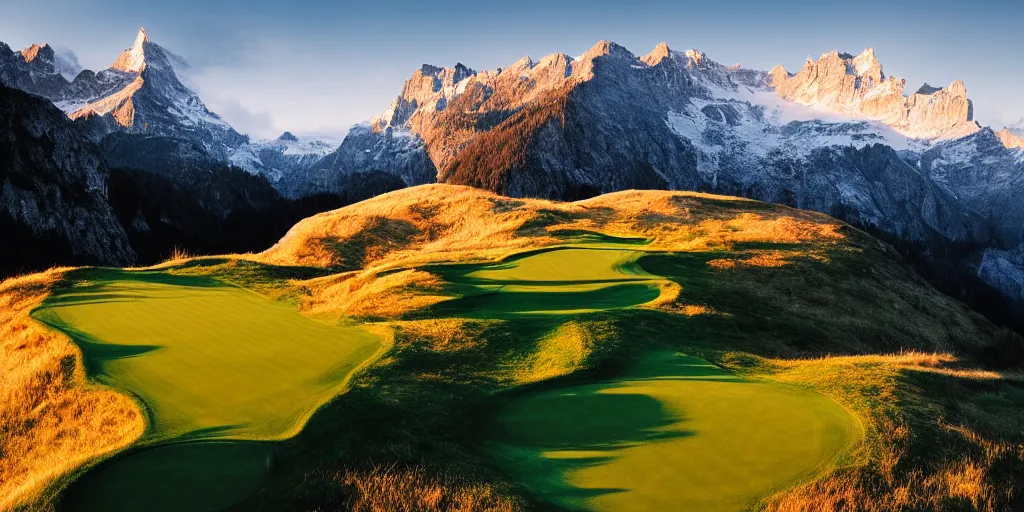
(837, 137)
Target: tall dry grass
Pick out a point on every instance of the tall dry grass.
(391, 489)
(51, 421)
(439, 223)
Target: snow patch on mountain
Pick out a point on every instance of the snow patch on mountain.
(756, 125)
(285, 160)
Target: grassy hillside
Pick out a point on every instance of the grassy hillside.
(540, 355)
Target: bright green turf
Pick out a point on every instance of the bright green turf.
(552, 281)
(676, 433)
(209, 361)
(572, 269)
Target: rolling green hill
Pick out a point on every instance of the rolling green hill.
(443, 348)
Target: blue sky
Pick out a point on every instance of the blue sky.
(320, 66)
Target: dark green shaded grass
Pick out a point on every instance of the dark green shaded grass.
(673, 431)
(203, 476)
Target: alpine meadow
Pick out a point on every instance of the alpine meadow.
(604, 282)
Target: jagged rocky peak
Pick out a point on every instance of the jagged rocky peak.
(520, 66)
(856, 85)
(605, 47)
(696, 57)
(658, 54)
(867, 65)
(133, 60)
(1012, 136)
(430, 87)
(44, 52)
(288, 137)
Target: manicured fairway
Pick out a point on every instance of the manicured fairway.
(554, 281)
(209, 361)
(676, 433)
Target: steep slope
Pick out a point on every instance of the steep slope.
(155, 102)
(53, 207)
(34, 69)
(140, 93)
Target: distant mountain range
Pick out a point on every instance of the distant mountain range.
(839, 136)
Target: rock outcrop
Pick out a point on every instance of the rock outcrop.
(1012, 136)
(841, 83)
(53, 204)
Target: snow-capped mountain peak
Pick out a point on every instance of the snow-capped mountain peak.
(840, 83)
(133, 60)
(284, 161)
(141, 93)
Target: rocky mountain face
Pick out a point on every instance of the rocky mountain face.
(139, 93)
(155, 103)
(170, 185)
(842, 83)
(1013, 136)
(53, 205)
(287, 161)
(839, 136)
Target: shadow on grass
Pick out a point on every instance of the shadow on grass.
(546, 435)
(208, 475)
(503, 304)
(584, 236)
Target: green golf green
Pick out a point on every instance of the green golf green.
(676, 433)
(559, 280)
(208, 361)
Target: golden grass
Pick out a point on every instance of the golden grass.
(390, 489)
(438, 223)
(768, 259)
(178, 255)
(51, 422)
(366, 295)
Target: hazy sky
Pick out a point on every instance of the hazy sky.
(321, 66)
